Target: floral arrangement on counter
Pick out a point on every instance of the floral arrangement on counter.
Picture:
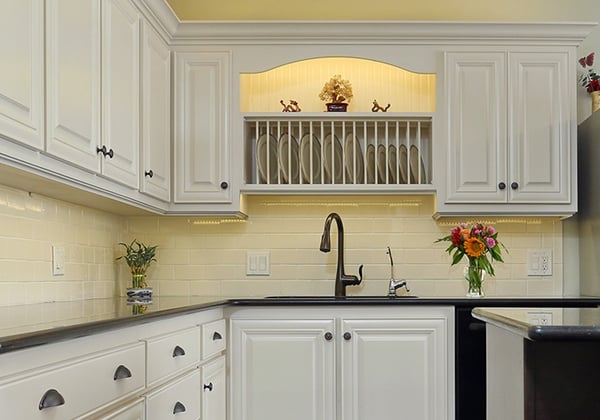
(336, 90)
(479, 243)
(138, 257)
(590, 79)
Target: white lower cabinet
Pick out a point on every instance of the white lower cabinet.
(214, 390)
(71, 388)
(154, 370)
(345, 364)
(179, 399)
(131, 411)
(283, 368)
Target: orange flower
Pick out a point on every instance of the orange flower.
(474, 247)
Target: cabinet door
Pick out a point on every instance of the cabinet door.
(156, 115)
(476, 112)
(120, 91)
(283, 369)
(22, 72)
(394, 369)
(73, 81)
(214, 390)
(540, 144)
(202, 144)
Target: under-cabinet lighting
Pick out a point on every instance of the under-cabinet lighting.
(494, 221)
(404, 203)
(214, 221)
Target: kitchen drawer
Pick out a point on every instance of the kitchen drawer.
(131, 411)
(71, 389)
(169, 355)
(214, 338)
(179, 400)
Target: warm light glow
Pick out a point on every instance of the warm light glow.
(302, 82)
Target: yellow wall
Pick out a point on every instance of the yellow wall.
(509, 10)
(208, 259)
(30, 224)
(196, 258)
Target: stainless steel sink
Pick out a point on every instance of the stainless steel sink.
(357, 297)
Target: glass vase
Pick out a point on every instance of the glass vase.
(474, 277)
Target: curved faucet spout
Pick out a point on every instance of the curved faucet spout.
(341, 278)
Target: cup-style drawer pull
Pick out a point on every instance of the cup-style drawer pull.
(179, 408)
(217, 336)
(209, 386)
(121, 373)
(51, 398)
(178, 351)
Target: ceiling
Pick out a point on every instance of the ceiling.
(457, 10)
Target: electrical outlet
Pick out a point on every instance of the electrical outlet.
(58, 261)
(539, 318)
(539, 262)
(258, 264)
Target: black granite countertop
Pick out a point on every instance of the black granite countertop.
(36, 324)
(545, 324)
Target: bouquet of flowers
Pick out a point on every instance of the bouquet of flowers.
(590, 79)
(479, 243)
(476, 241)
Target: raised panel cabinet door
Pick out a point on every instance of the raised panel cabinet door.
(73, 81)
(476, 112)
(156, 116)
(283, 369)
(214, 387)
(202, 144)
(540, 142)
(394, 369)
(120, 91)
(22, 71)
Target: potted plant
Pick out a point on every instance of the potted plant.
(336, 93)
(138, 257)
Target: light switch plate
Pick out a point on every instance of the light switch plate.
(258, 264)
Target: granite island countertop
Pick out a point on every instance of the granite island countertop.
(545, 324)
(25, 326)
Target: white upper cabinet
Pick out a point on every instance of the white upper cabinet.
(539, 128)
(73, 81)
(22, 71)
(156, 115)
(202, 144)
(121, 91)
(509, 143)
(106, 140)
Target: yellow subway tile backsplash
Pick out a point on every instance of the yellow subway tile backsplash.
(210, 259)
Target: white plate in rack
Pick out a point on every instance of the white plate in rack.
(403, 165)
(352, 148)
(288, 158)
(414, 166)
(392, 163)
(333, 162)
(381, 164)
(305, 156)
(371, 172)
(266, 157)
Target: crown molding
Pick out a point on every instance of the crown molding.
(365, 32)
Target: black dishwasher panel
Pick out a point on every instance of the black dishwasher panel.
(469, 366)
